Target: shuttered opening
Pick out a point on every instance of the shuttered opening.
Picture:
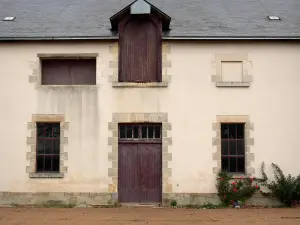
(68, 71)
(140, 49)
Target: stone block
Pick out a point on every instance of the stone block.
(64, 126)
(216, 141)
(249, 141)
(167, 141)
(112, 156)
(31, 141)
(33, 79)
(112, 172)
(113, 78)
(113, 64)
(113, 126)
(167, 156)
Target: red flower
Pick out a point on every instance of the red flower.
(257, 187)
(233, 183)
(224, 196)
(221, 178)
(242, 178)
(234, 190)
(251, 178)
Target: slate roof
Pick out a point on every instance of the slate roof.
(89, 19)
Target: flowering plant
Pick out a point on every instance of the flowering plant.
(235, 190)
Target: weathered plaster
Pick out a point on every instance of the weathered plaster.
(249, 141)
(31, 142)
(166, 143)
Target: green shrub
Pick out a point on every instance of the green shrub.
(233, 189)
(173, 203)
(285, 188)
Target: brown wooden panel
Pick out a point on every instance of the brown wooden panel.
(140, 49)
(54, 72)
(68, 71)
(140, 173)
(151, 172)
(129, 173)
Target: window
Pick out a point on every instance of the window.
(48, 147)
(68, 71)
(233, 147)
(150, 132)
(140, 49)
(232, 71)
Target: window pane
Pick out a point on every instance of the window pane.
(240, 131)
(55, 163)
(224, 130)
(129, 132)
(39, 163)
(40, 146)
(150, 132)
(232, 165)
(241, 164)
(232, 147)
(232, 131)
(40, 130)
(56, 146)
(48, 131)
(224, 147)
(157, 131)
(122, 133)
(48, 146)
(136, 132)
(240, 147)
(48, 163)
(56, 131)
(144, 131)
(225, 164)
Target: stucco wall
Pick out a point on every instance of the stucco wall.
(191, 100)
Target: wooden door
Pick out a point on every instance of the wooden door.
(140, 164)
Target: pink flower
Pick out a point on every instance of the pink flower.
(233, 183)
(257, 187)
(234, 190)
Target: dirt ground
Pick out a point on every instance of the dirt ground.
(149, 216)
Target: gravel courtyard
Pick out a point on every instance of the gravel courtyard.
(155, 216)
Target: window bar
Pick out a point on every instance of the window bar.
(236, 144)
(154, 132)
(147, 134)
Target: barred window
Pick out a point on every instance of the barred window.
(48, 147)
(233, 147)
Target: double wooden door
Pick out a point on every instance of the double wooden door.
(140, 165)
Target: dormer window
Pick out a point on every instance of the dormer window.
(140, 27)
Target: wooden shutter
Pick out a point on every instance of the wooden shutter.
(140, 49)
(68, 71)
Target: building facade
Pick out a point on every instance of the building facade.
(143, 118)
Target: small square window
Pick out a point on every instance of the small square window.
(232, 71)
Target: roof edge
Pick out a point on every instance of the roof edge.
(164, 38)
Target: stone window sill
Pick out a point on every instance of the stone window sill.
(139, 85)
(46, 175)
(58, 87)
(233, 84)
